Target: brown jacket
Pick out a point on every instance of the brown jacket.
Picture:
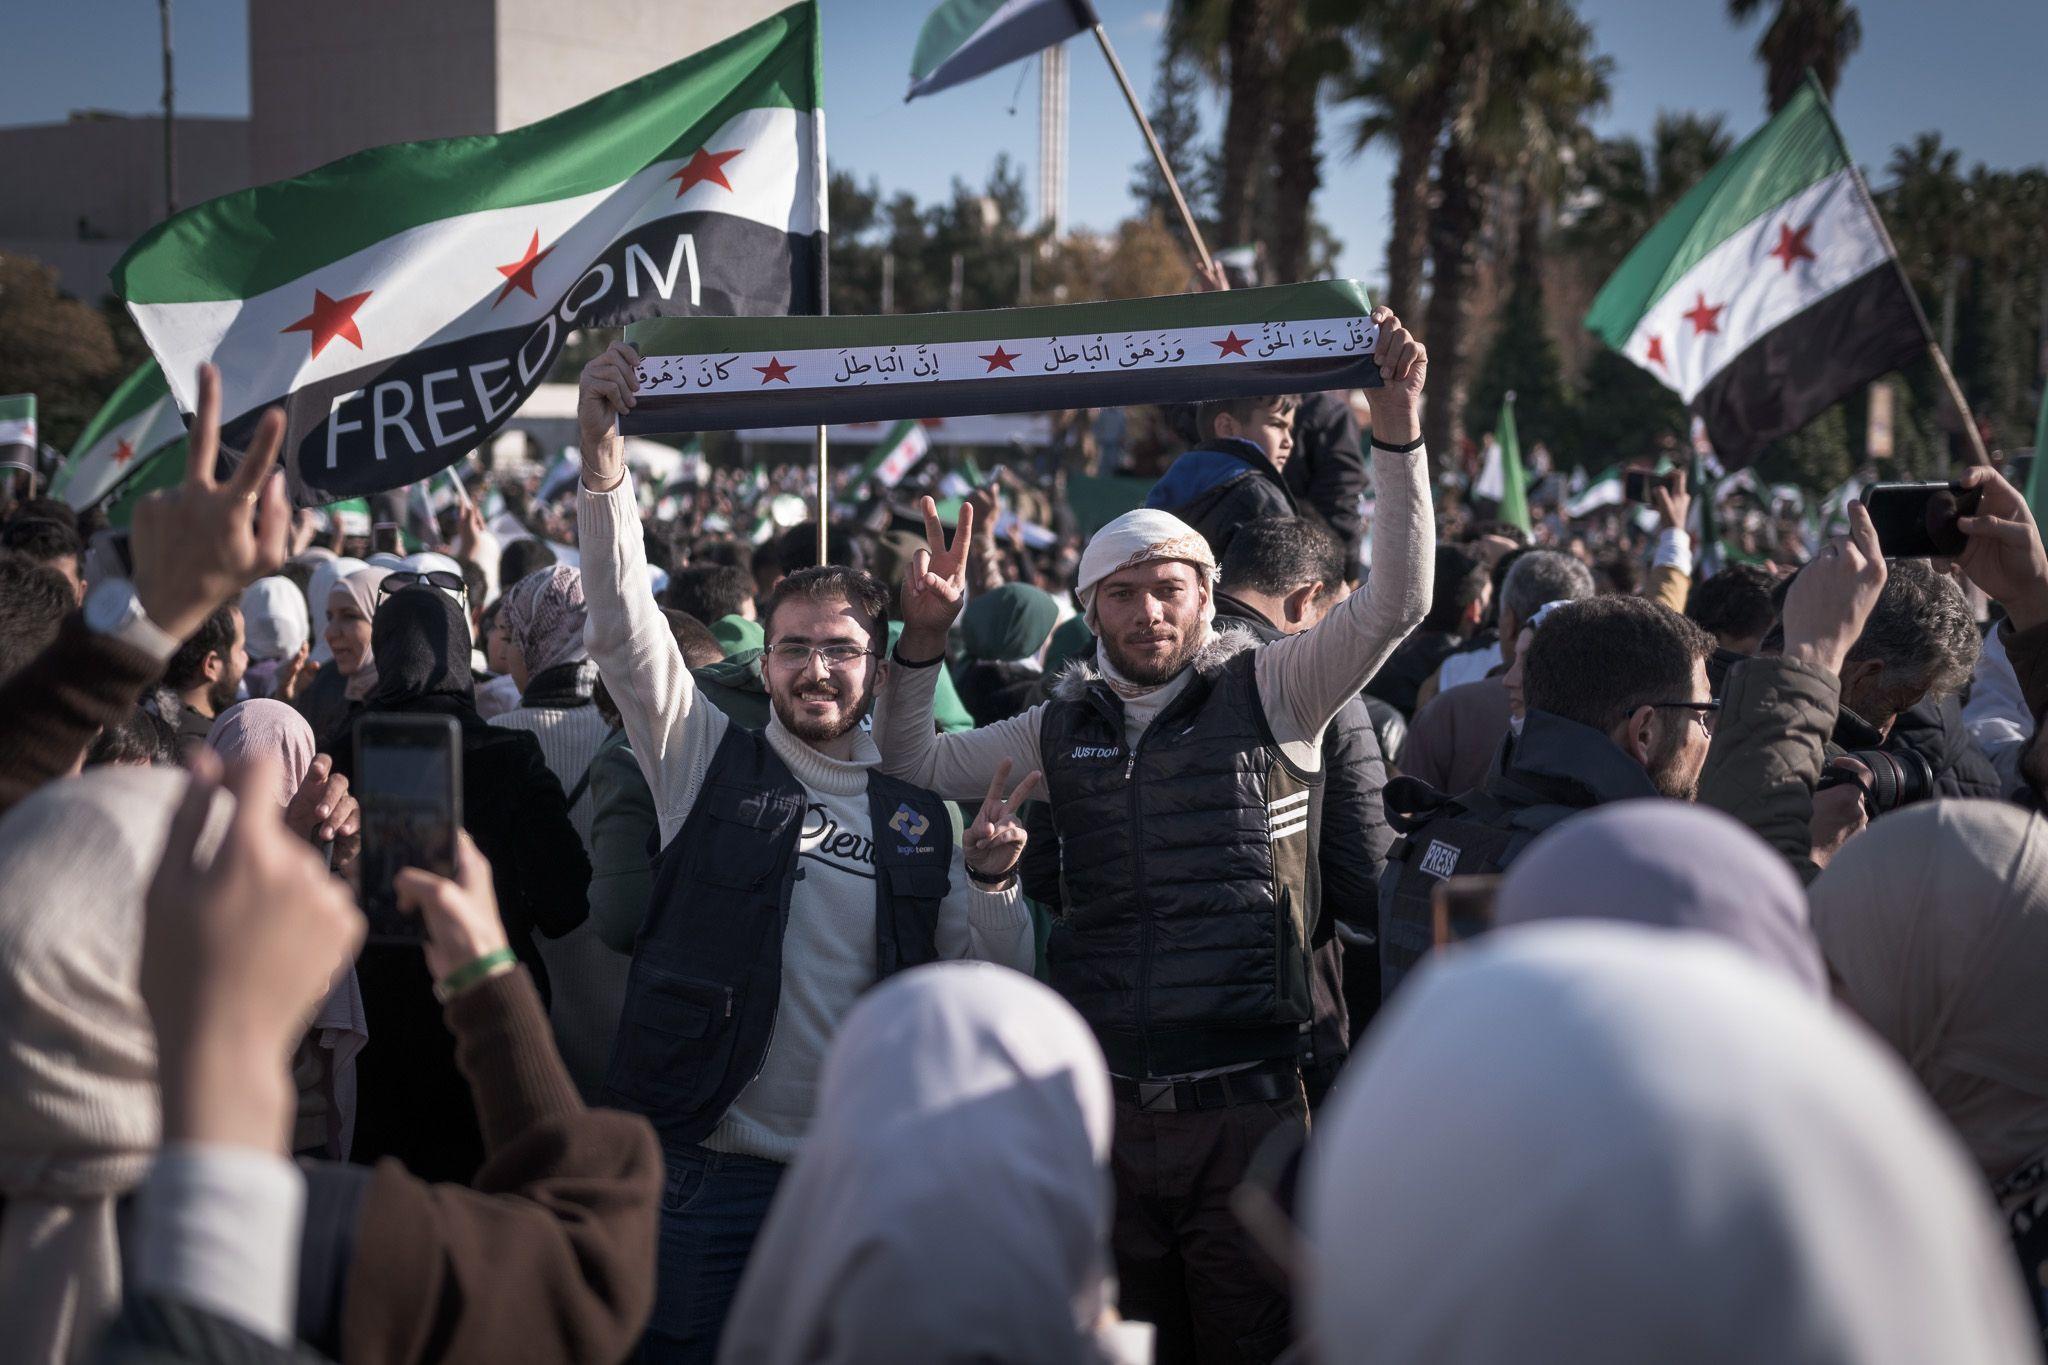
(57, 704)
(549, 1253)
(2027, 650)
(1452, 740)
(1776, 716)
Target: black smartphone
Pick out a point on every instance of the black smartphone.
(1918, 520)
(1637, 484)
(1463, 907)
(385, 539)
(409, 785)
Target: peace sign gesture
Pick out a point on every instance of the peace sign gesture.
(197, 545)
(995, 841)
(935, 584)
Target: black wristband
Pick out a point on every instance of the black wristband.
(896, 656)
(1409, 449)
(980, 880)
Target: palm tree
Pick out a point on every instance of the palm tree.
(1925, 206)
(1242, 46)
(1627, 186)
(1820, 35)
(1405, 84)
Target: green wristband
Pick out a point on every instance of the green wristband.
(463, 977)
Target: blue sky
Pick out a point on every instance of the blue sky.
(1967, 68)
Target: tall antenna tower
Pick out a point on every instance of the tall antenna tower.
(1052, 138)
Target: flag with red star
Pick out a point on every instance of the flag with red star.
(135, 429)
(724, 374)
(1770, 292)
(403, 302)
(896, 454)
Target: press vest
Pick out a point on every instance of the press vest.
(1188, 871)
(706, 978)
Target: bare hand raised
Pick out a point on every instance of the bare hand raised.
(935, 584)
(1673, 503)
(605, 391)
(995, 841)
(1404, 370)
(2004, 556)
(1833, 596)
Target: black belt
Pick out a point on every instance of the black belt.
(1211, 1092)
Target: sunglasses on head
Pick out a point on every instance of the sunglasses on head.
(400, 579)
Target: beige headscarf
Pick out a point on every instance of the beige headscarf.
(360, 588)
(1603, 1142)
(78, 1097)
(1936, 925)
(1143, 537)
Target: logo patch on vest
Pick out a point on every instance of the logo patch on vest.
(1096, 751)
(909, 823)
(1440, 859)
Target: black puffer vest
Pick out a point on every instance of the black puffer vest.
(1188, 871)
(706, 978)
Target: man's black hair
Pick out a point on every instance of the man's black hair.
(41, 539)
(1735, 603)
(522, 557)
(797, 548)
(1461, 580)
(140, 739)
(709, 591)
(1621, 570)
(1240, 410)
(862, 591)
(216, 635)
(34, 600)
(1595, 661)
(1276, 555)
(46, 509)
(699, 646)
(723, 550)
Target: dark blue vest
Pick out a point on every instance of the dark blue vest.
(707, 964)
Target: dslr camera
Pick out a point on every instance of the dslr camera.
(1897, 778)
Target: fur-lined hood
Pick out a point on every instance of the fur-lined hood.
(1224, 643)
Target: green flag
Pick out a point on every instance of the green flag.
(896, 454)
(1514, 485)
(2037, 483)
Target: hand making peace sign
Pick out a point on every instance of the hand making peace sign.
(995, 841)
(935, 584)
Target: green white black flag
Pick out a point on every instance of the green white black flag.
(1770, 292)
(139, 424)
(896, 454)
(402, 302)
(967, 38)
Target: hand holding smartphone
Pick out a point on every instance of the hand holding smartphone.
(1639, 485)
(409, 785)
(1918, 520)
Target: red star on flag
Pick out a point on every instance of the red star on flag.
(1232, 344)
(999, 359)
(773, 371)
(519, 274)
(1703, 318)
(329, 319)
(1792, 247)
(705, 168)
(125, 451)
(1655, 355)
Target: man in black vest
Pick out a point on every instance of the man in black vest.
(793, 876)
(1184, 774)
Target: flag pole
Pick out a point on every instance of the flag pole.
(1187, 218)
(1891, 251)
(824, 495)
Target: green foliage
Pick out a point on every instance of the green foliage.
(57, 348)
(1523, 360)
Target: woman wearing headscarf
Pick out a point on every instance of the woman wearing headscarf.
(1935, 929)
(952, 1201)
(326, 573)
(324, 1065)
(277, 632)
(411, 1100)
(329, 702)
(1003, 632)
(1602, 1142)
(1672, 865)
(542, 618)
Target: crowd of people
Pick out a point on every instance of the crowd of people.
(1296, 921)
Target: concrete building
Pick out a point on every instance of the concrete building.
(328, 80)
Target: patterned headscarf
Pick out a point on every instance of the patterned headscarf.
(1142, 537)
(544, 612)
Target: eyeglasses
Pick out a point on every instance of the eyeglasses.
(1705, 712)
(398, 580)
(790, 654)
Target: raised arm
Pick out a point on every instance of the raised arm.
(1304, 678)
(672, 735)
(960, 766)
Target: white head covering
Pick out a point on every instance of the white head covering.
(384, 559)
(1600, 1142)
(275, 621)
(951, 1202)
(325, 575)
(1936, 924)
(1141, 537)
(78, 1096)
(1674, 865)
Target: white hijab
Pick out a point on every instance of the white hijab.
(1602, 1142)
(326, 574)
(951, 1202)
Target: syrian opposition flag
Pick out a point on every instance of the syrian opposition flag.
(18, 431)
(722, 374)
(896, 454)
(1770, 292)
(402, 302)
(1503, 481)
(1604, 490)
(968, 38)
(139, 425)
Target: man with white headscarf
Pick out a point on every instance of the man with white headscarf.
(1184, 772)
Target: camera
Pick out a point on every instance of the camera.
(1897, 778)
